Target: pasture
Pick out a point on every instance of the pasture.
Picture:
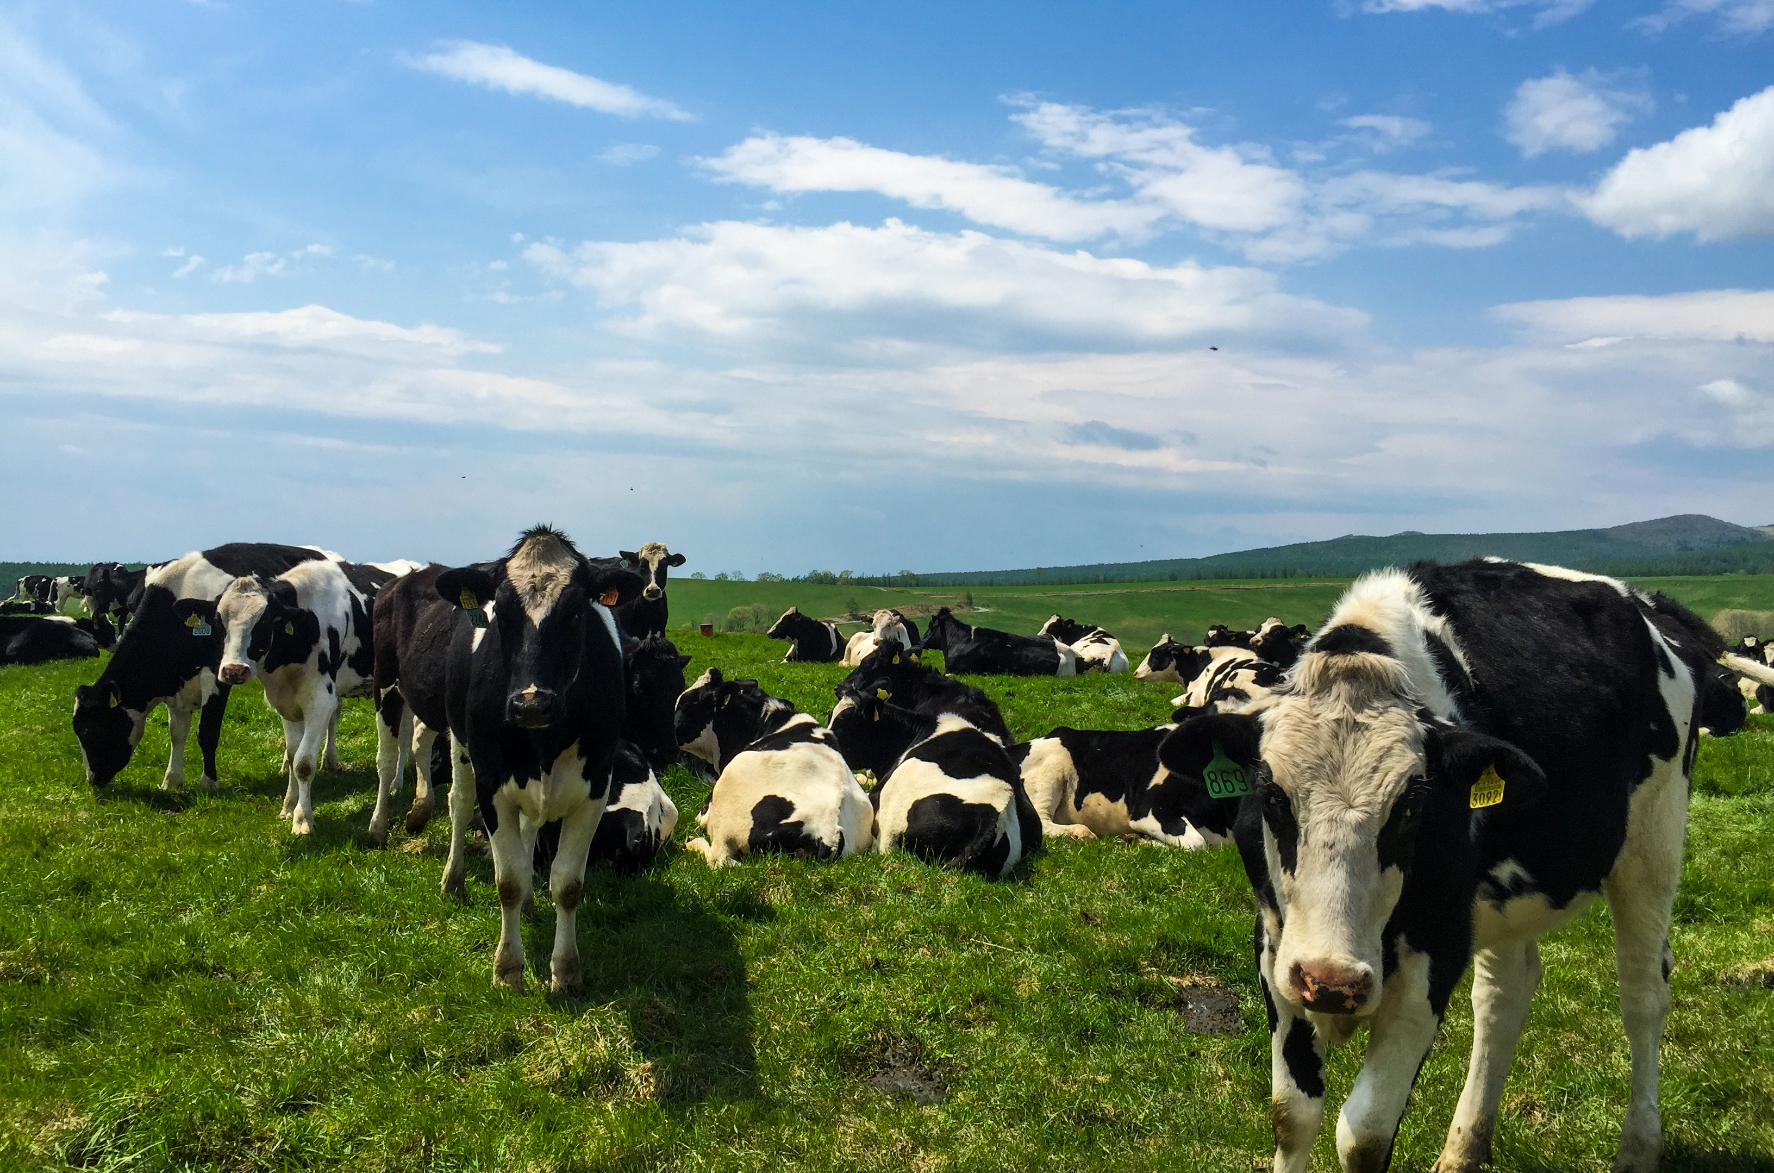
(183, 985)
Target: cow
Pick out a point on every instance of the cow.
(305, 634)
(1422, 790)
(1221, 636)
(34, 589)
(1754, 692)
(1201, 669)
(535, 696)
(811, 641)
(1278, 643)
(783, 785)
(639, 819)
(38, 639)
(1097, 650)
(165, 657)
(654, 671)
(1234, 686)
(982, 651)
(885, 627)
(1086, 784)
(110, 587)
(891, 673)
(953, 796)
(647, 615)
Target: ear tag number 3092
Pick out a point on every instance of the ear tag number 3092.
(1488, 790)
(1225, 778)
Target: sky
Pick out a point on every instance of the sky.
(840, 286)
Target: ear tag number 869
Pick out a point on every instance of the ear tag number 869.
(1225, 778)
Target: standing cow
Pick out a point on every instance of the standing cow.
(1464, 759)
(647, 615)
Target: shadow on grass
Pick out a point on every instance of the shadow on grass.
(674, 967)
(1681, 1158)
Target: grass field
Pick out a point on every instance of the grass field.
(185, 986)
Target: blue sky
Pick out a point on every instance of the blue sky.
(951, 286)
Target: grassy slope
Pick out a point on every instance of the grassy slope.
(183, 985)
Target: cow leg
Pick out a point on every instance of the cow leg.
(1399, 1038)
(317, 722)
(1641, 892)
(1503, 984)
(566, 884)
(512, 867)
(292, 737)
(390, 741)
(1296, 1078)
(462, 803)
(209, 734)
(178, 728)
(424, 785)
(332, 738)
(1050, 784)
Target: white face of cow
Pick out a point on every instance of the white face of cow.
(653, 562)
(239, 610)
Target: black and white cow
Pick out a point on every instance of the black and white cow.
(1424, 789)
(1754, 692)
(110, 588)
(647, 615)
(305, 634)
(1086, 784)
(536, 696)
(170, 658)
(1098, 651)
(1201, 670)
(954, 796)
(983, 651)
(885, 627)
(638, 821)
(895, 675)
(654, 669)
(1221, 636)
(811, 641)
(38, 639)
(34, 589)
(783, 785)
(1278, 643)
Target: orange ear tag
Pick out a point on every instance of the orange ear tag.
(609, 597)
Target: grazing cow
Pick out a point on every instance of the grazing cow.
(34, 589)
(886, 627)
(811, 641)
(647, 615)
(1423, 788)
(654, 670)
(954, 796)
(783, 785)
(536, 696)
(38, 639)
(1086, 783)
(166, 657)
(639, 819)
(306, 635)
(1098, 651)
(982, 651)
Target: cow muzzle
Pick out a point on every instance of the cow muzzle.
(652, 593)
(1331, 988)
(234, 673)
(531, 708)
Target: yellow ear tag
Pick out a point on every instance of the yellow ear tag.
(289, 629)
(468, 601)
(877, 714)
(1488, 790)
(114, 701)
(193, 621)
(882, 694)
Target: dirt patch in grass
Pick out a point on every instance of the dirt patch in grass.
(1208, 1005)
(1751, 975)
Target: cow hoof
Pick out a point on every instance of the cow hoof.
(565, 984)
(456, 887)
(510, 979)
(419, 818)
(1638, 1156)
(209, 784)
(379, 836)
(301, 825)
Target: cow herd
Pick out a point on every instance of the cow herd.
(1461, 759)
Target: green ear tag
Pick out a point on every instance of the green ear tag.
(1225, 778)
(1488, 790)
(477, 617)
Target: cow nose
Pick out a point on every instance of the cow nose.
(652, 592)
(1329, 988)
(530, 708)
(234, 673)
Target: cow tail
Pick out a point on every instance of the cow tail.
(1744, 666)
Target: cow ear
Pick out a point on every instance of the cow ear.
(1196, 743)
(467, 587)
(626, 583)
(683, 662)
(184, 609)
(282, 593)
(1268, 675)
(675, 560)
(1485, 771)
(628, 556)
(714, 676)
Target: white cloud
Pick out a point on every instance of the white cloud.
(47, 122)
(1562, 112)
(1718, 315)
(191, 265)
(1393, 130)
(1735, 17)
(251, 267)
(1714, 181)
(498, 67)
(1550, 11)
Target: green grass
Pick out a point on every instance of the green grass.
(183, 985)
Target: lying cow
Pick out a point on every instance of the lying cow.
(1278, 643)
(39, 639)
(1421, 789)
(1086, 784)
(783, 785)
(1098, 651)
(885, 628)
(654, 670)
(536, 697)
(1229, 686)
(305, 634)
(1202, 670)
(811, 641)
(954, 796)
(648, 614)
(982, 651)
(638, 821)
(167, 657)
(894, 675)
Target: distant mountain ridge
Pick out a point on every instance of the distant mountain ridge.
(1688, 543)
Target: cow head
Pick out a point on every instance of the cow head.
(1341, 769)
(652, 562)
(107, 729)
(540, 602)
(943, 627)
(789, 626)
(655, 671)
(717, 717)
(263, 624)
(1172, 661)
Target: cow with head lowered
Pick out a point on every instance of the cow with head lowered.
(535, 694)
(1427, 791)
(647, 613)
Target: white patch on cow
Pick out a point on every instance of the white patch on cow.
(1068, 659)
(1050, 779)
(1625, 590)
(705, 745)
(1390, 604)
(700, 682)
(857, 650)
(400, 567)
(238, 610)
(488, 607)
(540, 569)
(609, 618)
(811, 776)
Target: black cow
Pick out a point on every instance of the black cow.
(536, 695)
(983, 651)
(1278, 643)
(1221, 636)
(1423, 787)
(1086, 783)
(647, 615)
(38, 639)
(890, 673)
(655, 672)
(111, 589)
(811, 641)
(165, 657)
